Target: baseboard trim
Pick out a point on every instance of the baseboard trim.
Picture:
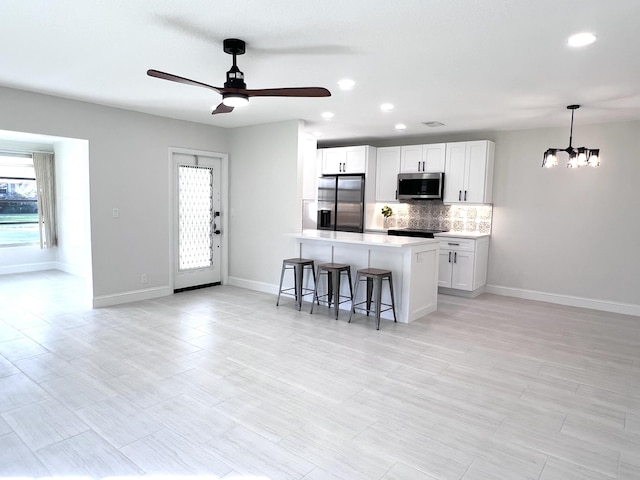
(132, 296)
(253, 285)
(603, 305)
(461, 293)
(29, 267)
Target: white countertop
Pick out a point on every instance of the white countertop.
(371, 239)
(471, 235)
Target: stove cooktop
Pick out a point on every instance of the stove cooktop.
(414, 232)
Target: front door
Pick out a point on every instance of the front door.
(197, 221)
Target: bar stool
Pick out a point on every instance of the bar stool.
(374, 278)
(333, 271)
(297, 265)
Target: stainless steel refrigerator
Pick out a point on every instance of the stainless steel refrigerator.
(341, 203)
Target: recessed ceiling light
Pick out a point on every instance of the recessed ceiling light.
(327, 115)
(386, 107)
(581, 39)
(400, 126)
(346, 84)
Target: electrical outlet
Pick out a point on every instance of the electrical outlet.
(143, 278)
(116, 213)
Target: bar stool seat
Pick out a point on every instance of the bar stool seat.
(374, 278)
(298, 266)
(333, 271)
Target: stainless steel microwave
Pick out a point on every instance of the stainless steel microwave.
(420, 186)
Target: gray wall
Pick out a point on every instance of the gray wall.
(128, 169)
(266, 201)
(568, 232)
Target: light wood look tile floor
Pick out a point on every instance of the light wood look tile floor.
(221, 382)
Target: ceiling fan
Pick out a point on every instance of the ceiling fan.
(235, 92)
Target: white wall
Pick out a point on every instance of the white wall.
(568, 235)
(265, 201)
(72, 208)
(128, 169)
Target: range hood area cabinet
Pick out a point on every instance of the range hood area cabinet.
(468, 174)
(422, 158)
(391, 161)
(340, 160)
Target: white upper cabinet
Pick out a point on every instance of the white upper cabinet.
(344, 160)
(387, 169)
(468, 171)
(423, 158)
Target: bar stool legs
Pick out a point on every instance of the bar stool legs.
(333, 271)
(297, 265)
(374, 278)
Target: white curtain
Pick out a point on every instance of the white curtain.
(45, 181)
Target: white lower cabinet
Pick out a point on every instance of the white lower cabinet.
(463, 265)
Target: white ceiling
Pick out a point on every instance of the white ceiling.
(471, 64)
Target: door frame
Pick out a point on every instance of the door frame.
(224, 208)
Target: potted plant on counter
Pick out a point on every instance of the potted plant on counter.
(387, 212)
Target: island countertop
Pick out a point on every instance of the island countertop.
(369, 239)
(413, 261)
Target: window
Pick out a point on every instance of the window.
(18, 201)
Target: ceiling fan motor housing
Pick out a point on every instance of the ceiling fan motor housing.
(234, 47)
(235, 79)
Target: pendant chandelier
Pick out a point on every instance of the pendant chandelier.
(578, 157)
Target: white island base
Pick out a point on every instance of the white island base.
(412, 261)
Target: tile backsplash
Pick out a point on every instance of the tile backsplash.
(434, 215)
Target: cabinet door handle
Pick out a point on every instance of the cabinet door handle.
(465, 195)
(424, 167)
(455, 257)
(418, 166)
(449, 257)
(396, 194)
(459, 195)
(450, 243)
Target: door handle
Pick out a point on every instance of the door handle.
(418, 166)
(217, 232)
(455, 257)
(424, 168)
(449, 257)
(459, 195)
(465, 195)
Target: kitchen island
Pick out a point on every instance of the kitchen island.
(413, 262)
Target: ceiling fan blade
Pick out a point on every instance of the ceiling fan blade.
(222, 108)
(289, 92)
(176, 78)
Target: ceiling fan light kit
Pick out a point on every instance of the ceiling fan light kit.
(235, 92)
(578, 157)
